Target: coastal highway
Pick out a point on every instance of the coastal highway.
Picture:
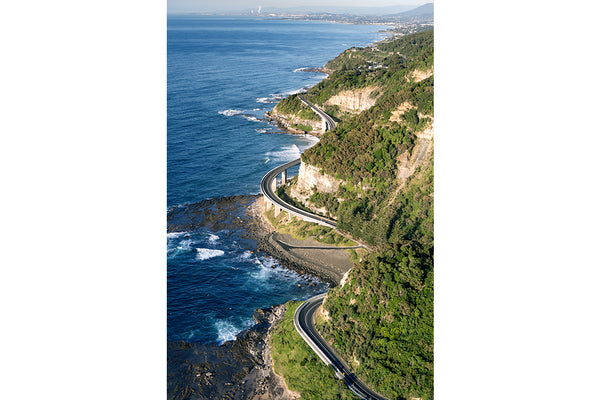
(304, 316)
(265, 183)
(329, 122)
(266, 188)
(304, 323)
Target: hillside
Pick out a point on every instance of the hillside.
(293, 115)
(380, 157)
(426, 10)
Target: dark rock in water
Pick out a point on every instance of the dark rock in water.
(320, 70)
(220, 213)
(239, 369)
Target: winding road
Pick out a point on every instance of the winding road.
(304, 323)
(304, 316)
(266, 188)
(329, 122)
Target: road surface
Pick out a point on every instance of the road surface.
(266, 188)
(329, 122)
(304, 323)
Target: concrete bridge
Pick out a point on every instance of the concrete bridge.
(268, 186)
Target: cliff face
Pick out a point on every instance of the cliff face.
(311, 177)
(408, 162)
(418, 75)
(311, 180)
(354, 101)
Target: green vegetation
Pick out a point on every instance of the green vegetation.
(402, 217)
(381, 320)
(303, 371)
(387, 65)
(303, 127)
(364, 149)
(292, 105)
(301, 230)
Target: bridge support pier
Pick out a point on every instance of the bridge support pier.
(323, 124)
(284, 176)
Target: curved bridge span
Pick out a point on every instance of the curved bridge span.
(268, 186)
(304, 316)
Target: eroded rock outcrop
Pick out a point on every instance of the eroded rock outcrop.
(418, 75)
(354, 101)
(312, 179)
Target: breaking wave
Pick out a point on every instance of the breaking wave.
(231, 112)
(275, 97)
(205, 254)
(287, 153)
(226, 331)
(212, 238)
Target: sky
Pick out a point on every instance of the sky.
(177, 6)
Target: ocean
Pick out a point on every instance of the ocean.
(223, 74)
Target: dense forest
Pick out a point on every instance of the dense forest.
(381, 319)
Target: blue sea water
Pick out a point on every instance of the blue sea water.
(223, 73)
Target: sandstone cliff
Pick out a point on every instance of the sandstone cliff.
(418, 75)
(311, 179)
(354, 101)
(408, 162)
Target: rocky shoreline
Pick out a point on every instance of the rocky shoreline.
(239, 369)
(243, 368)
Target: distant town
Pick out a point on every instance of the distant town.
(403, 23)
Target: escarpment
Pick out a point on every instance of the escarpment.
(354, 101)
(311, 180)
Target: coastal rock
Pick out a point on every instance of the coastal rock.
(240, 369)
(354, 101)
(418, 75)
(312, 179)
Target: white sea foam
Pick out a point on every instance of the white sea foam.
(212, 238)
(265, 100)
(311, 141)
(245, 255)
(275, 97)
(185, 244)
(301, 69)
(231, 112)
(205, 254)
(174, 235)
(295, 91)
(287, 153)
(226, 330)
(267, 268)
(261, 130)
(251, 118)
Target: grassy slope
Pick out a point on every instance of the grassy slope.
(303, 371)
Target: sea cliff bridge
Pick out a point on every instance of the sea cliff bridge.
(304, 316)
